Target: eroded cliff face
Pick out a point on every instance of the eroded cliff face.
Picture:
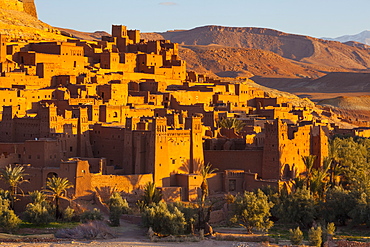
(29, 7)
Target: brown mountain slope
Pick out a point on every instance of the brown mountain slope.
(83, 35)
(314, 53)
(242, 62)
(355, 108)
(361, 103)
(341, 82)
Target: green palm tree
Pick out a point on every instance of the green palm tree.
(205, 170)
(151, 194)
(309, 162)
(336, 168)
(14, 177)
(319, 178)
(58, 186)
(231, 123)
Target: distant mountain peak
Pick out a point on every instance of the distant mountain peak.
(363, 37)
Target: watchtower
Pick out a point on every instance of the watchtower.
(2, 48)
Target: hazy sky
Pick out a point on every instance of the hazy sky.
(317, 18)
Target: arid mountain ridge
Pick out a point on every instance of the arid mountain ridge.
(313, 56)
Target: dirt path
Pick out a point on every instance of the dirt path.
(123, 242)
(128, 235)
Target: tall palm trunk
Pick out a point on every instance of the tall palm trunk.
(57, 214)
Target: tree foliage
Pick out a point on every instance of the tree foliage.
(252, 210)
(231, 123)
(164, 220)
(9, 221)
(117, 207)
(205, 171)
(299, 207)
(315, 236)
(13, 176)
(151, 194)
(58, 187)
(39, 211)
(296, 236)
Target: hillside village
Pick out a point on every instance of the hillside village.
(124, 111)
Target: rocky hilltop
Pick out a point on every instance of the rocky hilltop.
(19, 20)
(314, 55)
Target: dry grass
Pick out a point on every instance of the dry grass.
(90, 230)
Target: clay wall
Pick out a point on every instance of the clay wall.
(145, 61)
(252, 183)
(319, 145)
(234, 181)
(190, 184)
(178, 142)
(108, 142)
(128, 62)
(64, 62)
(292, 150)
(248, 160)
(108, 113)
(126, 183)
(171, 194)
(225, 98)
(42, 153)
(110, 60)
(192, 97)
(215, 183)
(362, 132)
(153, 86)
(136, 100)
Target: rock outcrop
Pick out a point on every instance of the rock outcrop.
(18, 20)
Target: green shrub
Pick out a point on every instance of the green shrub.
(9, 221)
(68, 214)
(190, 213)
(330, 228)
(296, 236)
(91, 215)
(38, 214)
(315, 236)
(163, 221)
(117, 207)
(39, 211)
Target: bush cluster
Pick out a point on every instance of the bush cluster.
(117, 207)
(164, 220)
